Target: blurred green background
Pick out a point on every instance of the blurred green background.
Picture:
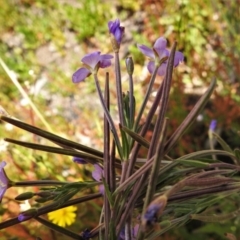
(42, 43)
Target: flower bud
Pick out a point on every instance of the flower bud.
(129, 65)
(116, 33)
(44, 194)
(27, 214)
(153, 211)
(24, 196)
(43, 200)
(79, 160)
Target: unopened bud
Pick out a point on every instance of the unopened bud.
(27, 214)
(154, 211)
(24, 196)
(129, 65)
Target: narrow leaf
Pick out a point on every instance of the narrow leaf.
(88, 157)
(136, 136)
(224, 145)
(50, 136)
(59, 229)
(190, 118)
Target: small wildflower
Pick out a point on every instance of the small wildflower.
(32, 212)
(79, 160)
(154, 210)
(91, 63)
(116, 32)
(159, 53)
(213, 125)
(64, 216)
(97, 175)
(4, 181)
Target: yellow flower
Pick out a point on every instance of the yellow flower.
(64, 216)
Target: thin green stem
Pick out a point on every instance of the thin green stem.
(131, 100)
(38, 183)
(109, 118)
(119, 89)
(144, 103)
(106, 161)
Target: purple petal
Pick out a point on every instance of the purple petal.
(162, 53)
(91, 59)
(97, 173)
(151, 212)
(213, 125)
(21, 217)
(119, 34)
(178, 58)
(3, 177)
(80, 75)
(113, 25)
(151, 67)
(135, 230)
(101, 189)
(105, 57)
(105, 63)
(146, 50)
(105, 60)
(79, 160)
(161, 43)
(3, 180)
(2, 192)
(30, 213)
(2, 165)
(115, 29)
(162, 69)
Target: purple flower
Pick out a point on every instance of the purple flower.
(151, 214)
(97, 175)
(154, 210)
(4, 182)
(91, 63)
(79, 160)
(159, 53)
(116, 30)
(213, 125)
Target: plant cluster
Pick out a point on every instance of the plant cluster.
(142, 198)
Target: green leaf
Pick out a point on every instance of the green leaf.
(108, 193)
(136, 136)
(193, 163)
(59, 229)
(88, 157)
(237, 154)
(205, 153)
(224, 145)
